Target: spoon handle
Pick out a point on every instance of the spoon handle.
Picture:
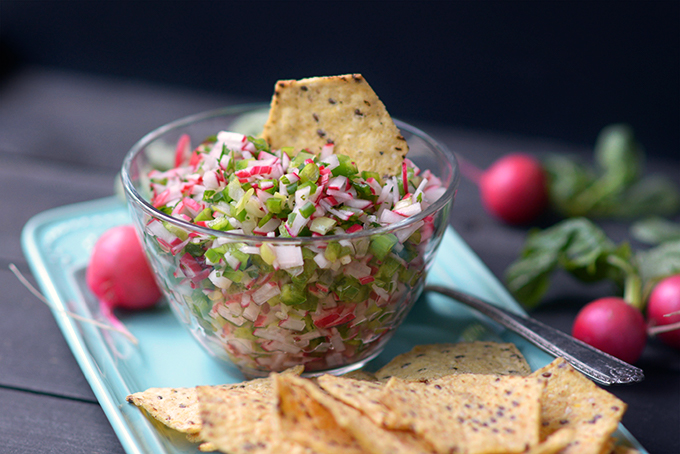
(595, 364)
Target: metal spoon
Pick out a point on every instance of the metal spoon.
(595, 364)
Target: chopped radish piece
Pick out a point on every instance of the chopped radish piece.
(288, 256)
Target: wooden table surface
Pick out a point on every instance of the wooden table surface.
(62, 140)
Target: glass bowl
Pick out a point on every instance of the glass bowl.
(332, 317)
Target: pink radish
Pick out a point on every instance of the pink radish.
(514, 188)
(119, 274)
(663, 311)
(183, 150)
(613, 326)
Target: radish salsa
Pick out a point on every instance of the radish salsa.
(270, 305)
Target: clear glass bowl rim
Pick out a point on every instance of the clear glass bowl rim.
(135, 197)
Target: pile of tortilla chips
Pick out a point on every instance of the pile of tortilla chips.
(474, 398)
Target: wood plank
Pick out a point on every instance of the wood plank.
(31, 186)
(33, 423)
(87, 119)
(33, 352)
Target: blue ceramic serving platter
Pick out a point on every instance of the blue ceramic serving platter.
(58, 243)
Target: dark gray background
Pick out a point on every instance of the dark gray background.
(556, 69)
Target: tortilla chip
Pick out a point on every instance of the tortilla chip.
(427, 362)
(572, 400)
(360, 374)
(414, 407)
(304, 419)
(177, 408)
(241, 421)
(207, 447)
(555, 443)
(343, 110)
(370, 437)
(507, 416)
(203, 446)
(467, 412)
(360, 394)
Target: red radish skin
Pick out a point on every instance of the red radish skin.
(613, 326)
(182, 150)
(665, 299)
(514, 189)
(119, 274)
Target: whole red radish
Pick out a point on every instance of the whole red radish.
(613, 326)
(119, 274)
(515, 188)
(665, 299)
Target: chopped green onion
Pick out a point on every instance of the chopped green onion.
(235, 190)
(312, 187)
(322, 225)
(204, 215)
(307, 210)
(310, 173)
(292, 295)
(241, 205)
(366, 174)
(332, 251)
(260, 143)
(301, 158)
(346, 168)
(349, 289)
(407, 276)
(233, 275)
(241, 215)
(242, 164)
(242, 258)
(309, 304)
(177, 231)
(387, 269)
(267, 217)
(381, 245)
(301, 279)
(267, 254)
(275, 204)
(194, 249)
(290, 151)
(214, 255)
(363, 190)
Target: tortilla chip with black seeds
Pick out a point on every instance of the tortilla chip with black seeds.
(342, 110)
(468, 413)
(360, 374)
(177, 408)
(335, 422)
(241, 421)
(303, 419)
(427, 362)
(555, 443)
(360, 394)
(572, 400)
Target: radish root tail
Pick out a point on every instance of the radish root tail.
(119, 327)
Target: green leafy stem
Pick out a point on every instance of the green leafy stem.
(581, 248)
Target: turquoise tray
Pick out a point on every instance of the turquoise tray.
(58, 243)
